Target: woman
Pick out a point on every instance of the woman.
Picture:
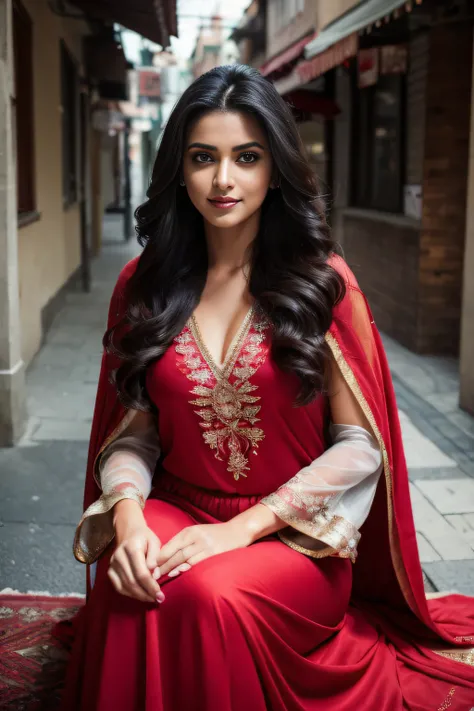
(248, 527)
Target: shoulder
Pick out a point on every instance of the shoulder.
(117, 300)
(340, 265)
(127, 271)
(124, 276)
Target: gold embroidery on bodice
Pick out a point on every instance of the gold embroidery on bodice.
(227, 407)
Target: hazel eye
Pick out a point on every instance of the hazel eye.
(253, 156)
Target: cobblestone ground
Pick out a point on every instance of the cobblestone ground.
(41, 481)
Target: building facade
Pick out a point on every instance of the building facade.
(212, 48)
(389, 86)
(55, 66)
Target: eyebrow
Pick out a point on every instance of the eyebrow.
(242, 146)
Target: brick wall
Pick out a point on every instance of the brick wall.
(446, 145)
(382, 251)
(412, 270)
(416, 107)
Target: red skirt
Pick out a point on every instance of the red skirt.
(257, 628)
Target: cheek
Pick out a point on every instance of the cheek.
(255, 183)
(198, 185)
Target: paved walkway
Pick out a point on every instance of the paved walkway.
(42, 478)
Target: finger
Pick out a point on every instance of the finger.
(154, 545)
(180, 569)
(178, 559)
(142, 574)
(115, 580)
(172, 547)
(120, 564)
(198, 558)
(127, 591)
(130, 585)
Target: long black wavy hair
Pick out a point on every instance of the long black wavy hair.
(290, 278)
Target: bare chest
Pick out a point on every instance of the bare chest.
(219, 324)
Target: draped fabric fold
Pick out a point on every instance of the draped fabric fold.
(110, 419)
(388, 536)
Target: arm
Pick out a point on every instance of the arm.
(124, 473)
(329, 500)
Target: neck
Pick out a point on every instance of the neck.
(228, 247)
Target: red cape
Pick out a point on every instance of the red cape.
(388, 580)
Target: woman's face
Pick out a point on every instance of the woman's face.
(226, 155)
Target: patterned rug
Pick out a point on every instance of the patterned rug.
(32, 658)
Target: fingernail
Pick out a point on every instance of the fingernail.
(184, 567)
(156, 573)
(160, 597)
(173, 573)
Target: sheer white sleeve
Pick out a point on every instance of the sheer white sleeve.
(327, 502)
(124, 471)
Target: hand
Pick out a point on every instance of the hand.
(135, 557)
(196, 543)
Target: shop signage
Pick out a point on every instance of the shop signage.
(368, 67)
(149, 84)
(413, 201)
(393, 59)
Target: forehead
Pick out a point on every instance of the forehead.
(225, 128)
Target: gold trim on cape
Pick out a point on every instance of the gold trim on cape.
(454, 654)
(352, 382)
(448, 700)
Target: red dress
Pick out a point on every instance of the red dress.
(267, 627)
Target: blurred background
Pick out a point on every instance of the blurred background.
(381, 91)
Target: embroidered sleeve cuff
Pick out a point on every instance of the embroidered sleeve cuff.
(340, 535)
(95, 529)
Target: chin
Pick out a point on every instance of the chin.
(224, 221)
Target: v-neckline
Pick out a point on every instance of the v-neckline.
(224, 369)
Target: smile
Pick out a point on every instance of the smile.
(224, 205)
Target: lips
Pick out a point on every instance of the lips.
(223, 202)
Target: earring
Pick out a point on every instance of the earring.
(182, 183)
(276, 183)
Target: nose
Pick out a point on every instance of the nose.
(222, 178)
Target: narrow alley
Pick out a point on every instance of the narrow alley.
(42, 479)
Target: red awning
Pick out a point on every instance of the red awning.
(330, 58)
(292, 52)
(312, 103)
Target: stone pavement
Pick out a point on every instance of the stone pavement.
(439, 445)
(41, 482)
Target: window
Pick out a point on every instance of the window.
(24, 110)
(378, 142)
(69, 106)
